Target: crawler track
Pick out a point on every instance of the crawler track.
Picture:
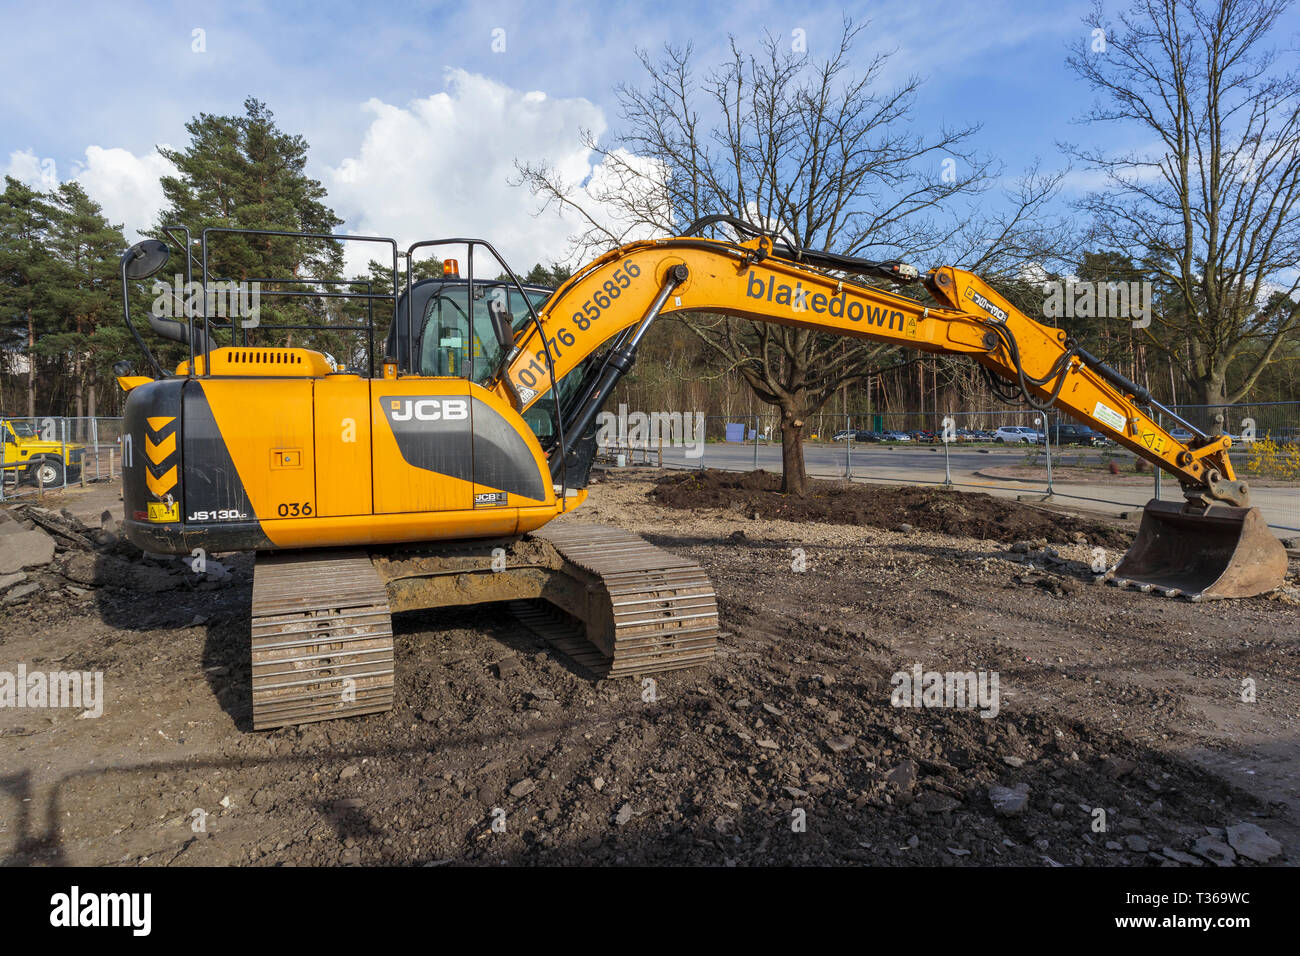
(613, 603)
(322, 638)
(648, 610)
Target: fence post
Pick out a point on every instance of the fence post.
(756, 443)
(63, 450)
(848, 447)
(948, 422)
(1047, 447)
(94, 433)
(112, 453)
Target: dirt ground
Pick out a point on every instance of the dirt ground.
(972, 515)
(785, 749)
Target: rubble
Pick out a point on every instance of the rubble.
(1009, 801)
(36, 540)
(1253, 843)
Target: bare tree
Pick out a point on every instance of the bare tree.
(801, 147)
(1213, 207)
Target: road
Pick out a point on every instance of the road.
(925, 464)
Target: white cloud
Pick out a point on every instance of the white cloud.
(32, 171)
(442, 166)
(125, 185)
(439, 166)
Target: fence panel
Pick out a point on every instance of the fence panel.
(66, 451)
(859, 448)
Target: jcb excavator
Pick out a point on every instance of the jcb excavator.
(433, 481)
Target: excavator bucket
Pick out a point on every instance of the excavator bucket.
(1221, 552)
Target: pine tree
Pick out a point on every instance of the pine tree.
(245, 172)
(89, 336)
(550, 278)
(28, 275)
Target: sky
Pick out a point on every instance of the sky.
(416, 112)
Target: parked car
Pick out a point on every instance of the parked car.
(844, 435)
(1077, 435)
(1181, 434)
(923, 435)
(896, 436)
(1013, 434)
(865, 436)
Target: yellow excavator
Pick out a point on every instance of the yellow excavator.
(433, 479)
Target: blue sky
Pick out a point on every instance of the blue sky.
(420, 85)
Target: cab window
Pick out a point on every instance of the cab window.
(458, 339)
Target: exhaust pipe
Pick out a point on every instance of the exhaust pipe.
(1218, 552)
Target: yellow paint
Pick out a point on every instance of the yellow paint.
(262, 363)
(163, 484)
(128, 382)
(161, 450)
(158, 424)
(342, 413)
(259, 417)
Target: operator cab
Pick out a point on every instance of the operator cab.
(449, 336)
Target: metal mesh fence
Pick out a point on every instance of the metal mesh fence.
(47, 453)
(1277, 420)
(1013, 451)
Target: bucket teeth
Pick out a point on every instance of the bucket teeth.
(1218, 552)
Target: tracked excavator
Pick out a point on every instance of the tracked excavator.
(433, 480)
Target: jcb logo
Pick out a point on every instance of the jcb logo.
(428, 409)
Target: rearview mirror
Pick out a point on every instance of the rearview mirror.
(145, 258)
(502, 325)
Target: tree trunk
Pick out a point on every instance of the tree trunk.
(77, 387)
(794, 478)
(1212, 391)
(31, 366)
